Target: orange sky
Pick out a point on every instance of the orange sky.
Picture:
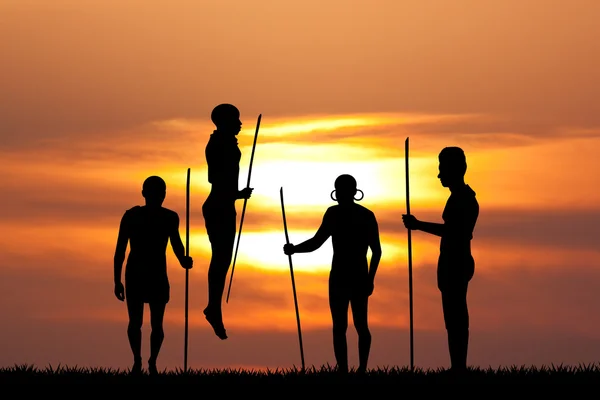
(95, 97)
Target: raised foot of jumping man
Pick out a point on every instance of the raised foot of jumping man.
(215, 320)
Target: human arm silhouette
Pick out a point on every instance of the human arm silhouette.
(313, 243)
(119, 258)
(433, 228)
(244, 193)
(375, 245)
(177, 245)
(459, 225)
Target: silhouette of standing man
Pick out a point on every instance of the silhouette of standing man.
(353, 230)
(223, 158)
(148, 229)
(456, 265)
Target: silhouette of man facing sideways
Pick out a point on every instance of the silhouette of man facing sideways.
(353, 230)
(148, 229)
(456, 265)
(223, 159)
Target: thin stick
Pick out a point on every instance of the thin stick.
(410, 283)
(187, 271)
(244, 208)
(287, 241)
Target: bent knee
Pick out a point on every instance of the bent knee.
(134, 324)
(340, 328)
(218, 271)
(457, 324)
(362, 329)
(158, 330)
(221, 258)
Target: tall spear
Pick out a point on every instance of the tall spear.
(287, 241)
(187, 271)
(244, 208)
(410, 283)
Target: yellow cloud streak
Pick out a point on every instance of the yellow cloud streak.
(281, 126)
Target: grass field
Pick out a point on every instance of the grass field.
(27, 374)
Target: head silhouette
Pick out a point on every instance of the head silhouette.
(226, 118)
(345, 189)
(154, 191)
(453, 166)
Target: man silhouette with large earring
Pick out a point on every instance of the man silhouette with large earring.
(353, 230)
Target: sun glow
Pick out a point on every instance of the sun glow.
(308, 172)
(264, 251)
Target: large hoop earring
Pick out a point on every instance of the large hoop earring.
(331, 195)
(361, 197)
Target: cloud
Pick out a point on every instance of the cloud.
(100, 203)
(107, 67)
(356, 137)
(575, 229)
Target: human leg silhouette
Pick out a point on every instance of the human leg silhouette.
(338, 305)
(360, 305)
(221, 229)
(157, 313)
(217, 274)
(456, 319)
(135, 310)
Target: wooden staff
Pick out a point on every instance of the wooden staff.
(287, 241)
(187, 271)
(410, 284)
(244, 208)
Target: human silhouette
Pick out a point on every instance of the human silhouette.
(147, 229)
(456, 265)
(223, 158)
(353, 230)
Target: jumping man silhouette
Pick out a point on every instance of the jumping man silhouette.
(223, 158)
(148, 230)
(353, 230)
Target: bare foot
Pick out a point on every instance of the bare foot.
(136, 369)
(215, 320)
(152, 370)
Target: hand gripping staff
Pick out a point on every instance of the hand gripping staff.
(244, 208)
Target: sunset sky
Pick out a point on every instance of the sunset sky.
(96, 96)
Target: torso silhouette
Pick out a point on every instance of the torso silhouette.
(223, 158)
(460, 216)
(352, 228)
(149, 230)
